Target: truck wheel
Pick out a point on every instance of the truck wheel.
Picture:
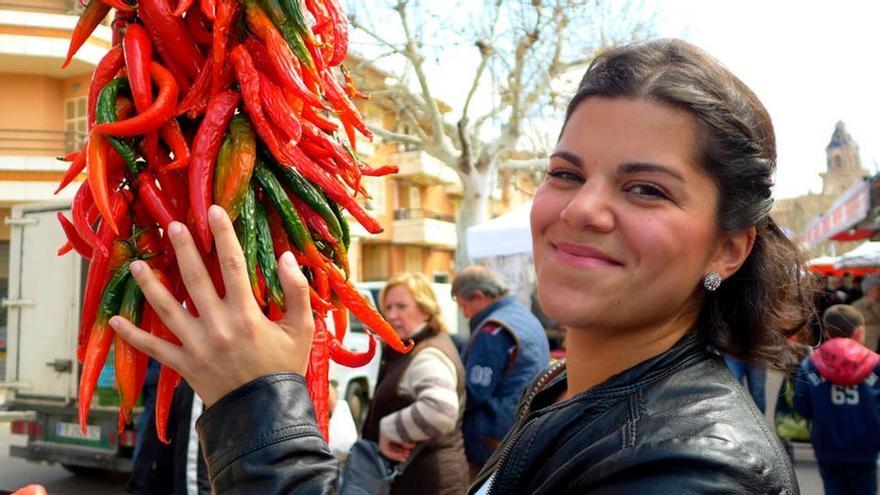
(358, 402)
(84, 471)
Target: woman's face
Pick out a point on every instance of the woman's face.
(401, 311)
(624, 226)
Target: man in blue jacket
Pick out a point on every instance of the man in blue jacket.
(838, 388)
(507, 349)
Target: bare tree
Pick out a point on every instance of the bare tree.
(524, 50)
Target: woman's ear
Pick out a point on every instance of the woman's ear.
(733, 250)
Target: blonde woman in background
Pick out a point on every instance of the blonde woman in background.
(419, 398)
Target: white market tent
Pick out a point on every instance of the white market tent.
(865, 255)
(505, 235)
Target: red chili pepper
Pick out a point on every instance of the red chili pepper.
(138, 56)
(312, 114)
(350, 88)
(196, 99)
(280, 55)
(208, 8)
(316, 175)
(365, 311)
(351, 359)
(377, 171)
(95, 12)
(121, 19)
(98, 149)
(317, 380)
(168, 378)
(199, 27)
(340, 319)
(105, 71)
(154, 199)
(128, 360)
(348, 112)
(160, 112)
(278, 111)
(152, 23)
(182, 7)
(313, 220)
(173, 137)
(172, 31)
(340, 32)
(226, 13)
(204, 153)
(76, 168)
(73, 239)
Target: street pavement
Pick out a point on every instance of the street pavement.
(15, 472)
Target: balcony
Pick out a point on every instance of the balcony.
(29, 170)
(423, 169)
(34, 35)
(423, 227)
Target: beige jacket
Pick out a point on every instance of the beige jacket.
(871, 311)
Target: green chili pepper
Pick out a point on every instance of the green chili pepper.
(343, 223)
(106, 112)
(311, 196)
(113, 293)
(289, 30)
(246, 230)
(266, 257)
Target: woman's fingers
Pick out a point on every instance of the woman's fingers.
(298, 309)
(231, 257)
(169, 310)
(164, 352)
(192, 269)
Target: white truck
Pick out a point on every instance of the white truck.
(42, 373)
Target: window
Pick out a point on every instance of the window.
(75, 123)
(415, 198)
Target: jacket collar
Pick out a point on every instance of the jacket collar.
(478, 318)
(688, 350)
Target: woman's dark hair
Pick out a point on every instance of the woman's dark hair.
(754, 311)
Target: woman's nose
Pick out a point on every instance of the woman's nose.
(591, 208)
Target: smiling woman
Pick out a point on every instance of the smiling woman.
(653, 245)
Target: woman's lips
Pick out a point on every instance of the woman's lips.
(582, 256)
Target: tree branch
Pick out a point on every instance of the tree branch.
(395, 136)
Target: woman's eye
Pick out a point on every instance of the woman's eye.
(565, 175)
(649, 191)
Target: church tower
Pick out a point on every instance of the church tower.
(844, 168)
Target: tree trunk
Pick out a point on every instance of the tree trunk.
(474, 208)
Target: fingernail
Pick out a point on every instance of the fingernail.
(115, 322)
(288, 259)
(215, 212)
(137, 267)
(175, 228)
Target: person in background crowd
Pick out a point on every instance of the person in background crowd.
(507, 349)
(653, 246)
(752, 375)
(869, 306)
(838, 388)
(852, 285)
(419, 396)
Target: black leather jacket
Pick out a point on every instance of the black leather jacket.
(677, 423)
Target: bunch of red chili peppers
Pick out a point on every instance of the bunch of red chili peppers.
(233, 102)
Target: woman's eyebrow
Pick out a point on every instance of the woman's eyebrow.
(636, 167)
(569, 157)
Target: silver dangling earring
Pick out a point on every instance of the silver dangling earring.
(712, 281)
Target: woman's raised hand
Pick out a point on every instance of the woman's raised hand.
(231, 342)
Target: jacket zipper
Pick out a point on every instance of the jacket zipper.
(521, 428)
